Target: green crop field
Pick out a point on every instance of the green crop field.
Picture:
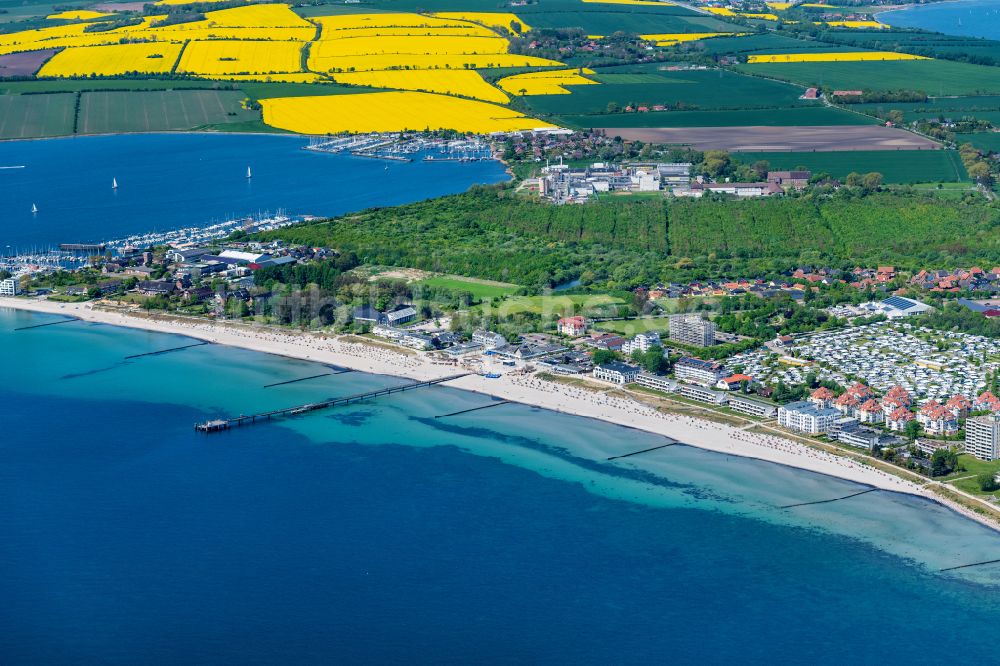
(106, 112)
(32, 116)
(696, 89)
(480, 290)
(984, 141)
(820, 116)
(77, 85)
(763, 43)
(597, 19)
(934, 77)
(952, 107)
(919, 43)
(896, 166)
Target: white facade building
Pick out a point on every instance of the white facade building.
(617, 373)
(489, 339)
(699, 371)
(642, 342)
(982, 436)
(805, 417)
(692, 330)
(10, 287)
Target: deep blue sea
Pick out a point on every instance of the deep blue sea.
(377, 534)
(172, 181)
(970, 18)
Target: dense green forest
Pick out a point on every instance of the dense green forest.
(621, 242)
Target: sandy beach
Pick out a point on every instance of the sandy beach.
(523, 388)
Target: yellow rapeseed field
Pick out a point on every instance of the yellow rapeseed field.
(292, 77)
(77, 15)
(848, 56)
(779, 6)
(391, 112)
(320, 63)
(112, 60)
(389, 20)
(670, 39)
(436, 45)
(725, 11)
(467, 83)
(858, 24)
(492, 20)
(241, 57)
(544, 83)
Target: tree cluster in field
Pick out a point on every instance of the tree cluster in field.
(976, 165)
(573, 45)
(621, 243)
(954, 317)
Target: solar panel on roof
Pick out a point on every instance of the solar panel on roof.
(899, 302)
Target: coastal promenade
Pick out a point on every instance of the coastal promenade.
(351, 352)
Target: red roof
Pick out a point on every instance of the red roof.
(822, 393)
(901, 414)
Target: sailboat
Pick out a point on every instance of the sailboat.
(34, 208)
(114, 183)
(249, 175)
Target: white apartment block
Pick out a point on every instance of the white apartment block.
(699, 371)
(10, 287)
(642, 342)
(806, 417)
(982, 436)
(692, 330)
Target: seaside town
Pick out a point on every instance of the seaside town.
(879, 381)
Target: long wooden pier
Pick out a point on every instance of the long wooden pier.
(218, 425)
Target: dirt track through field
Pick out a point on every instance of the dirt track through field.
(780, 139)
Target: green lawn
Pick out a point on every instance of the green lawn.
(900, 166)
(155, 111)
(934, 77)
(479, 289)
(33, 116)
(973, 466)
(630, 327)
(557, 305)
(820, 116)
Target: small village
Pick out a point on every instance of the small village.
(562, 183)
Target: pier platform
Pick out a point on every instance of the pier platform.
(220, 425)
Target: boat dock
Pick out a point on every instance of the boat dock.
(219, 425)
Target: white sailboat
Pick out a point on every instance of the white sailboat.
(34, 208)
(114, 183)
(249, 175)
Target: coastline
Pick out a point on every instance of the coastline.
(342, 351)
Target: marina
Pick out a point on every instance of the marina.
(63, 192)
(405, 148)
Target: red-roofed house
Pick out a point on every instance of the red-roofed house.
(821, 397)
(987, 402)
(572, 326)
(870, 412)
(732, 382)
(846, 404)
(936, 419)
(898, 419)
(860, 391)
(959, 406)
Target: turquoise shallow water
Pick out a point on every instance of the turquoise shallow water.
(379, 534)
